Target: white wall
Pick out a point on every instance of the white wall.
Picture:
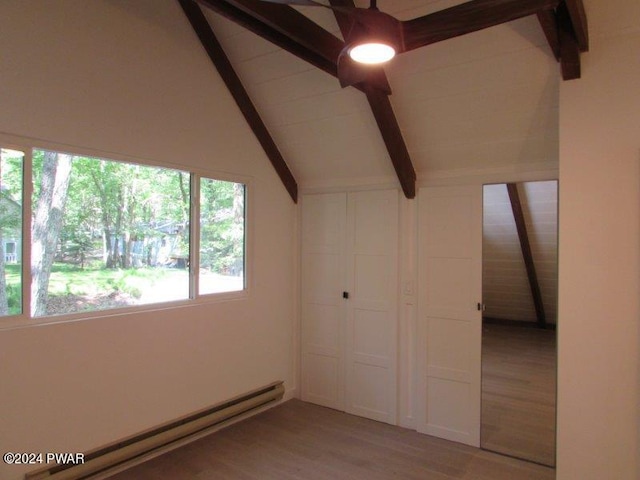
(130, 78)
(599, 271)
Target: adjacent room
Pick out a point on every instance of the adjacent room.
(519, 317)
(229, 248)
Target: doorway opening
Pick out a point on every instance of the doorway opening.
(519, 291)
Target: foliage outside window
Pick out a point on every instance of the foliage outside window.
(107, 234)
(11, 166)
(221, 236)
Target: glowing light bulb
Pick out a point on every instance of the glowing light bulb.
(372, 53)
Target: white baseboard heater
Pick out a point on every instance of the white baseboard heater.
(151, 443)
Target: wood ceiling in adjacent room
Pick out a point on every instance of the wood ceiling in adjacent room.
(328, 135)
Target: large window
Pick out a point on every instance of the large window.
(11, 166)
(108, 234)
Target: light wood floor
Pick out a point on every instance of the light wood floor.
(519, 392)
(298, 440)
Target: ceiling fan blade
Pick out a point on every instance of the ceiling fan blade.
(466, 18)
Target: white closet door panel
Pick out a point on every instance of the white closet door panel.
(321, 384)
(368, 392)
(322, 306)
(372, 247)
(323, 329)
(450, 269)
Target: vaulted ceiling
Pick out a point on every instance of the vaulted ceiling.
(465, 102)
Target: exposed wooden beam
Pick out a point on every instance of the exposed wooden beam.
(392, 136)
(466, 18)
(291, 23)
(565, 42)
(578, 18)
(549, 24)
(268, 21)
(385, 118)
(569, 48)
(213, 48)
(525, 246)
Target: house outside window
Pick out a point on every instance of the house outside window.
(11, 191)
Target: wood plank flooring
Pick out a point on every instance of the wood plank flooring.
(298, 440)
(519, 392)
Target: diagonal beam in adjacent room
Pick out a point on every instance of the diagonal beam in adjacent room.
(525, 246)
(213, 48)
(385, 118)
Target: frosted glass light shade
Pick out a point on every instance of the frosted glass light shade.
(372, 53)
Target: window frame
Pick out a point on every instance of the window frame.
(27, 146)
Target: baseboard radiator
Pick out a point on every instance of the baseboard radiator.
(164, 438)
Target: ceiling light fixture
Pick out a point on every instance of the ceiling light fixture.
(372, 53)
(374, 37)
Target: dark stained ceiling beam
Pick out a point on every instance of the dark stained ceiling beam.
(578, 18)
(567, 44)
(288, 21)
(549, 24)
(525, 246)
(392, 136)
(262, 19)
(565, 41)
(466, 18)
(569, 48)
(213, 48)
(385, 117)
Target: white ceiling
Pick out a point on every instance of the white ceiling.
(484, 100)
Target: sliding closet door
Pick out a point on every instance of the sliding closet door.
(322, 307)
(450, 288)
(372, 277)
